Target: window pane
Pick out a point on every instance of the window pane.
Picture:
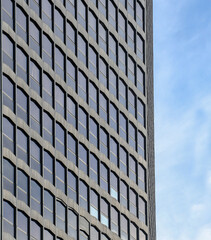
(23, 183)
(8, 176)
(8, 93)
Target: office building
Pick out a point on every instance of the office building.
(77, 149)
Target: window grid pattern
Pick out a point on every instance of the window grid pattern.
(32, 73)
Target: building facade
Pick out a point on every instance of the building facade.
(77, 145)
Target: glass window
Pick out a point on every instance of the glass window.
(47, 52)
(70, 5)
(48, 89)
(133, 202)
(82, 86)
(93, 96)
(94, 233)
(35, 5)
(59, 63)
(35, 117)
(140, 15)
(104, 212)
(59, 24)
(122, 59)
(82, 122)
(83, 159)
(35, 77)
(60, 101)
(35, 229)
(141, 112)
(22, 23)
(8, 218)
(82, 15)
(141, 145)
(132, 102)
(113, 117)
(123, 126)
(131, 36)
(8, 51)
(60, 216)
(72, 186)
(48, 128)
(48, 206)
(124, 228)
(47, 13)
(71, 37)
(23, 187)
(140, 80)
(60, 138)
(133, 232)
(123, 194)
(114, 220)
(71, 74)
(34, 40)
(141, 177)
(60, 176)
(122, 25)
(22, 146)
(123, 2)
(122, 93)
(142, 235)
(112, 9)
(83, 195)
(8, 12)
(8, 135)
(22, 226)
(140, 47)
(35, 151)
(48, 235)
(71, 111)
(102, 6)
(48, 167)
(22, 105)
(112, 48)
(94, 167)
(104, 237)
(104, 177)
(113, 151)
(132, 135)
(8, 176)
(132, 168)
(114, 190)
(93, 132)
(104, 142)
(83, 235)
(93, 61)
(82, 49)
(8, 93)
(103, 37)
(72, 224)
(142, 209)
(92, 25)
(103, 73)
(103, 107)
(94, 204)
(113, 82)
(36, 196)
(131, 7)
(22, 64)
(131, 70)
(72, 149)
(123, 160)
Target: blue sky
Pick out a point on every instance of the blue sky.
(182, 75)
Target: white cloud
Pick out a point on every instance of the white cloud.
(204, 233)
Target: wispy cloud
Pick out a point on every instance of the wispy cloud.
(183, 119)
